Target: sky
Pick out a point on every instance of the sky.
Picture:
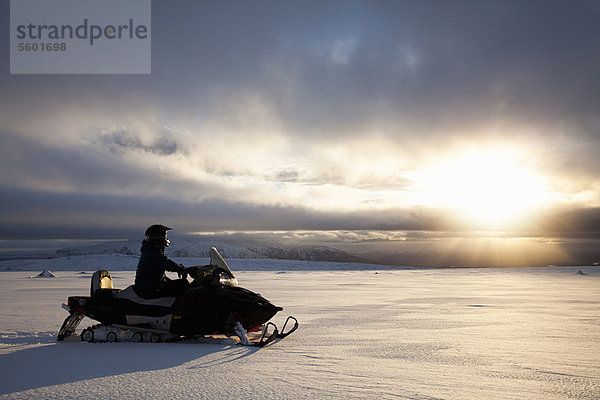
(372, 116)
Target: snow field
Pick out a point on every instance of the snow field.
(386, 334)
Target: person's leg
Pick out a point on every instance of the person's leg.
(172, 287)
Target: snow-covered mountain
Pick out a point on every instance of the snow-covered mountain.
(199, 247)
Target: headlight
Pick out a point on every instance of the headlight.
(227, 280)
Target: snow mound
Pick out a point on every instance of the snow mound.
(45, 274)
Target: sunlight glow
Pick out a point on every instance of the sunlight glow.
(487, 187)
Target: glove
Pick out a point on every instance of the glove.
(182, 273)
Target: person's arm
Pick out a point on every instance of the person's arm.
(172, 266)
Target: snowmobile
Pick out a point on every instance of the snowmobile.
(213, 305)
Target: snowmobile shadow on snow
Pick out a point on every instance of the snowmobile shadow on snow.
(213, 305)
(40, 363)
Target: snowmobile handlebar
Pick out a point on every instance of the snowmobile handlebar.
(211, 275)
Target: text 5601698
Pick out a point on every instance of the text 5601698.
(47, 47)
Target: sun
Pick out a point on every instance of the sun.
(489, 188)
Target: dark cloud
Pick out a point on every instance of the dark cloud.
(60, 167)
(123, 140)
(428, 66)
(30, 210)
(433, 67)
(584, 222)
(40, 210)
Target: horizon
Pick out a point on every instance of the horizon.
(423, 131)
(402, 249)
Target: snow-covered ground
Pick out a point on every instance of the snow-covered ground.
(365, 332)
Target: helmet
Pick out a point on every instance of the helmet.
(157, 234)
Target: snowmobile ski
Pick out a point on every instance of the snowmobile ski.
(270, 333)
(266, 338)
(283, 333)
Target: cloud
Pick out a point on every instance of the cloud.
(416, 69)
(121, 141)
(277, 115)
(583, 222)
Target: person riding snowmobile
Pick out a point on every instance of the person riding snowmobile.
(150, 279)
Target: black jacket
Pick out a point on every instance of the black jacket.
(151, 270)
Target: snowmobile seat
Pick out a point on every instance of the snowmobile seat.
(101, 280)
(130, 294)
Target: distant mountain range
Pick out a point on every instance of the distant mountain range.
(415, 252)
(192, 247)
